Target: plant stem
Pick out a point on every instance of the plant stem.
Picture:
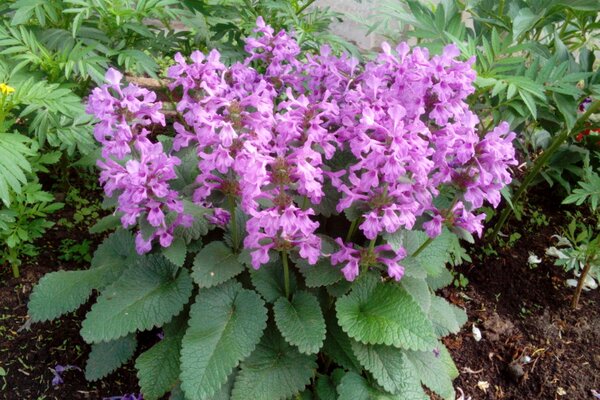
(351, 230)
(580, 283)
(422, 247)
(286, 273)
(542, 161)
(304, 7)
(233, 224)
(372, 245)
(15, 270)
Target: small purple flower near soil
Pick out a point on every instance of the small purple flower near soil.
(58, 371)
(131, 396)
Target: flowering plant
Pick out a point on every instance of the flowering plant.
(309, 203)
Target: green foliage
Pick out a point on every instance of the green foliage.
(301, 321)
(384, 313)
(226, 324)
(274, 371)
(215, 264)
(158, 367)
(146, 295)
(106, 357)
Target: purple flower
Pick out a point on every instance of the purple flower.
(59, 370)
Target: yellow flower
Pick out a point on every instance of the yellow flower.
(5, 89)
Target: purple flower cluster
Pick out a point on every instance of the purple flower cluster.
(142, 180)
(269, 133)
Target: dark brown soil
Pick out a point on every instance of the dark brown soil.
(521, 312)
(28, 354)
(525, 312)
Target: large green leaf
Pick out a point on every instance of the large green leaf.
(384, 313)
(338, 346)
(433, 257)
(274, 371)
(106, 357)
(446, 318)
(269, 281)
(147, 295)
(61, 292)
(435, 369)
(215, 264)
(158, 367)
(226, 323)
(320, 274)
(355, 387)
(325, 388)
(389, 366)
(301, 321)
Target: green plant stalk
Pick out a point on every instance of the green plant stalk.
(422, 247)
(12, 256)
(286, 273)
(541, 162)
(351, 230)
(580, 283)
(233, 224)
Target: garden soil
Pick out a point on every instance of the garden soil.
(533, 345)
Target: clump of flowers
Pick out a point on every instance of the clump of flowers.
(279, 134)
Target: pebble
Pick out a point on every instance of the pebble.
(515, 370)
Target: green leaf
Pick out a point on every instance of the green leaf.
(158, 367)
(106, 357)
(176, 252)
(529, 102)
(301, 321)
(419, 291)
(226, 323)
(268, 281)
(389, 366)
(215, 264)
(325, 388)
(433, 371)
(523, 22)
(384, 313)
(147, 295)
(274, 371)
(432, 258)
(338, 346)
(61, 292)
(446, 317)
(355, 387)
(320, 274)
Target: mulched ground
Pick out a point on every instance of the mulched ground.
(525, 312)
(520, 312)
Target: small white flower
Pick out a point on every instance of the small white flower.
(533, 259)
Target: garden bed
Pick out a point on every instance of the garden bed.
(521, 311)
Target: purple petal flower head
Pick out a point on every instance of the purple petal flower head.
(131, 396)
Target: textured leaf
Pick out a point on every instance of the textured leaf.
(215, 264)
(301, 321)
(61, 292)
(432, 258)
(446, 318)
(268, 281)
(388, 365)
(338, 346)
(419, 291)
(274, 371)
(355, 387)
(325, 389)
(226, 323)
(106, 357)
(158, 367)
(176, 252)
(433, 372)
(384, 313)
(147, 295)
(320, 274)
